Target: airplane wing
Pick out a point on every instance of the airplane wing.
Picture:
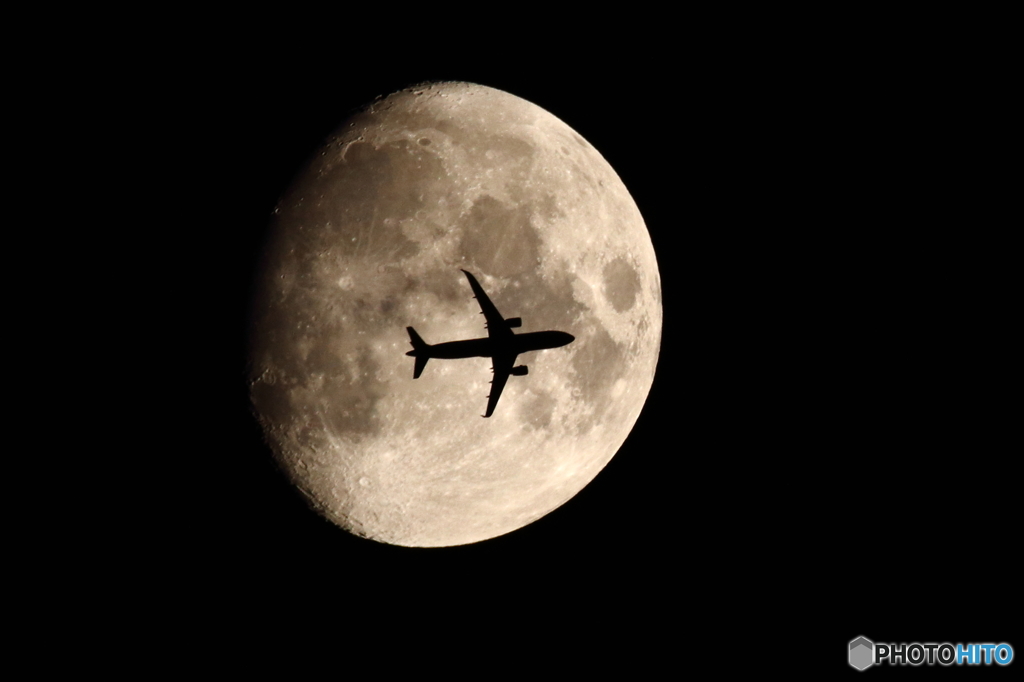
(502, 367)
(496, 325)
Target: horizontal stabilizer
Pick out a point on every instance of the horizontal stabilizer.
(419, 346)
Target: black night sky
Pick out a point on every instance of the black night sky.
(827, 439)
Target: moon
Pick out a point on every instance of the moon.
(371, 238)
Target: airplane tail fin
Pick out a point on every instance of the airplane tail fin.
(418, 345)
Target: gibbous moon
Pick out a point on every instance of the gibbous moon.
(371, 238)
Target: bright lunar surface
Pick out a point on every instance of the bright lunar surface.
(371, 238)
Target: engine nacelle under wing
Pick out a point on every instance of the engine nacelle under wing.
(514, 322)
(520, 371)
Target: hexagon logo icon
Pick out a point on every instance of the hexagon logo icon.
(862, 653)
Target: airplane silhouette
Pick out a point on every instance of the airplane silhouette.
(502, 345)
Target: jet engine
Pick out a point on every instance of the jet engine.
(514, 322)
(520, 370)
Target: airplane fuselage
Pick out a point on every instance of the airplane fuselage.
(513, 344)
